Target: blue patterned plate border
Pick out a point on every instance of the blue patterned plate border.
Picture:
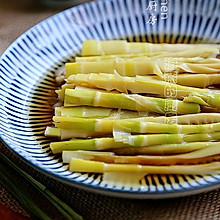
(28, 67)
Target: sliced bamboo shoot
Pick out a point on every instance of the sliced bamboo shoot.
(79, 165)
(61, 92)
(132, 141)
(64, 134)
(96, 48)
(84, 112)
(198, 156)
(133, 84)
(195, 80)
(124, 101)
(200, 52)
(147, 66)
(131, 126)
(163, 149)
(212, 100)
(201, 118)
(52, 132)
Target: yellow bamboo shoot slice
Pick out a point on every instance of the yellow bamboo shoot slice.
(195, 80)
(52, 132)
(200, 52)
(96, 48)
(198, 156)
(163, 149)
(138, 84)
(146, 66)
(132, 141)
(124, 101)
(79, 165)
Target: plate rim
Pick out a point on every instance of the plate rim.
(93, 188)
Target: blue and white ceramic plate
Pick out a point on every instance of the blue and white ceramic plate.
(28, 66)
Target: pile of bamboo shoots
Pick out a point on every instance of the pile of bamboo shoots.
(140, 108)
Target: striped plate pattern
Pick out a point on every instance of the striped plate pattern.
(28, 66)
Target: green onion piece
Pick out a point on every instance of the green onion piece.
(23, 197)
